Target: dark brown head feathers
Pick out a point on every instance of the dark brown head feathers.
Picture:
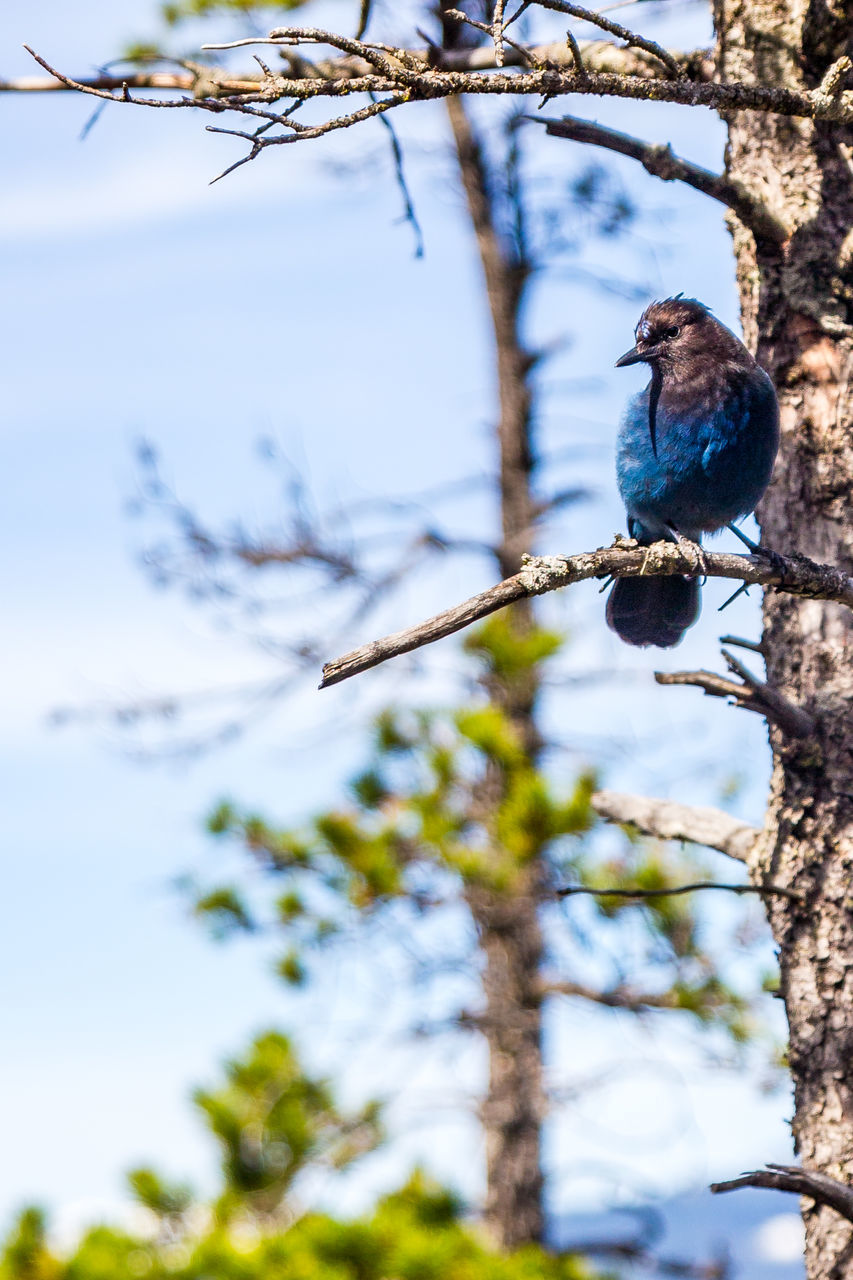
(678, 312)
(678, 335)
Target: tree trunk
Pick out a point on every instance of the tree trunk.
(797, 306)
(514, 1106)
(507, 922)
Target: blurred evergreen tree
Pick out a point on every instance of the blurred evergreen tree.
(274, 1122)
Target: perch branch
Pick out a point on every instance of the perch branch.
(802, 1182)
(625, 558)
(661, 162)
(748, 692)
(671, 821)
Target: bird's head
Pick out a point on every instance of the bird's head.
(674, 332)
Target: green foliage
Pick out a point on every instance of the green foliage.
(25, 1253)
(272, 1120)
(507, 651)
(417, 810)
(166, 1200)
(143, 51)
(225, 910)
(414, 1234)
(182, 10)
(291, 969)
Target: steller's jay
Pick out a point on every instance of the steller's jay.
(695, 452)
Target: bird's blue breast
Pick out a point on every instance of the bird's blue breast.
(716, 441)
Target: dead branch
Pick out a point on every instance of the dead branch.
(661, 162)
(632, 39)
(748, 692)
(802, 1182)
(182, 81)
(498, 33)
(625, 558)
(668, 820)
(614, 998)
(676, 891)
(500, 38)
(598, 55)
(372, 68)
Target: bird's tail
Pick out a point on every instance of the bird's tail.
(657, 611)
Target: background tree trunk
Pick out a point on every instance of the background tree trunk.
(507, 921)
(796, 307)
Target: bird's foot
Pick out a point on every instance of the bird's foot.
(776, 561)
(689, 547)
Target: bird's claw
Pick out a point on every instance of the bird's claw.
(689, 547)
(773, 558)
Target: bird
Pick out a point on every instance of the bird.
(695, 452)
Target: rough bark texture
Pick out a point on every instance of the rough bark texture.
(508, 922)
(797, 304)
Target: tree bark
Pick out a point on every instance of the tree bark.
(507, 921)
(514, 1106)
(797, 308)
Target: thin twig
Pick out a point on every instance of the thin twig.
(409, 213)
(303, 133)
(363, 18)
(631, 38)
(795, 575)
(634, 891)
(577, 57)
(526, 55)
(615, 998)
(755, 646)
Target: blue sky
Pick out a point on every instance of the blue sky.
(283, 302)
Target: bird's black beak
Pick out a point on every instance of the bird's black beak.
(634, 356)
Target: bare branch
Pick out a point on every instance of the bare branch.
(615, 998)
(750, 693)
(661, 162)
(599, 55)
(625, 558)
(133, 80)
(802, 1182)
(833, 81)
(390, 70)
(498, 31)
(301, 132)
(526, 56)
(668, 820)
(631, 38)
(409, 212)
(676, 891)
(755, 646)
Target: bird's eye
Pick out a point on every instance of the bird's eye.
(672, 332)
